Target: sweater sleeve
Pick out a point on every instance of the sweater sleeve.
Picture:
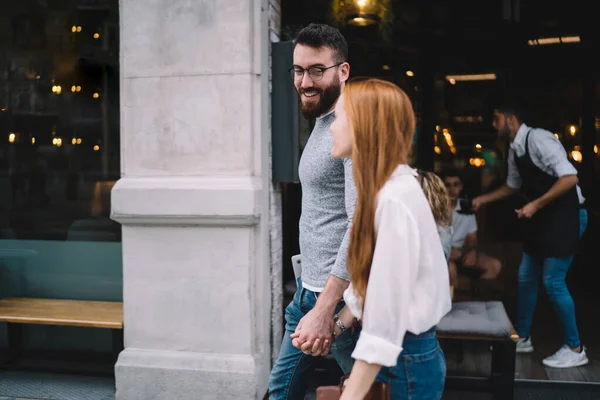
(339, 268)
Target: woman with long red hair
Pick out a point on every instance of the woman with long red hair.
(400, 287)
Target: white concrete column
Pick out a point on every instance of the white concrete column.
(193, 200)
(276, 228)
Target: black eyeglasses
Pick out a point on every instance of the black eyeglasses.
(315, 73)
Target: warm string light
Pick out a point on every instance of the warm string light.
(477, 162)
(449, 140)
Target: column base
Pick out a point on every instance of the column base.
(173, 375)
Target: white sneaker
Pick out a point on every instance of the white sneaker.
(525, 345)
(558, 355)
(566, 358)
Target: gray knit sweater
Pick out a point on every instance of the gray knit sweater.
(328, 200)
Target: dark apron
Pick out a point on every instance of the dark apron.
(553, 231)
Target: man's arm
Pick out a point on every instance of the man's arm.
(455, 254)
(339, 279)
(469, 256)
(548, 149)
(471, 241)
(560, 187)
(502, 192)
(318, 323)
(512, 185)
(469, 244)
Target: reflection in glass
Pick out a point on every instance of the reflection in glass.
(63, 145)
(59, 158)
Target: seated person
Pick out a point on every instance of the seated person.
(438, 199)
(437, 196)
(464, 257)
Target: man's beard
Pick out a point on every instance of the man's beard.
(505, 131)
(329, 96)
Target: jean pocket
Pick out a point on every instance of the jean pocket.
(425, 374)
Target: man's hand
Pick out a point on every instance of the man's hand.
(316, 325)
(528, 211)
(477, 202)
(315, 349)
(470, 259)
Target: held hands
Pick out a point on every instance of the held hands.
(314, 333)
(528, 211)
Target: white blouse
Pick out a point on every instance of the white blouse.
(408, 288)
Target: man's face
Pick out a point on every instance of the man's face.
(318, 96)
(500, 123)
(454, 187)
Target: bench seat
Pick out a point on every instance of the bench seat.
(91, 314)
(17, 312)
(485, 321)
(475, 320)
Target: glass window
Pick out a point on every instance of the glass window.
(59, 158)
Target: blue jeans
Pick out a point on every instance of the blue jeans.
(553, 272)
(421, 369)
(290, 374)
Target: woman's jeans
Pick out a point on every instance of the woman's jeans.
(419, 374)
(553, 272)
(421, 369)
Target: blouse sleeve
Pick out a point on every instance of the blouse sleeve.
(393, 273)
(353, 302)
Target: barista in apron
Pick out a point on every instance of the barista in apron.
(539, 166)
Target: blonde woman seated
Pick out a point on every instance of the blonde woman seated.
(399, 290)
(437, 196)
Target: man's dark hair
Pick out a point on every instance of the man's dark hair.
(451, 173)
(321, 35)
(511, 106)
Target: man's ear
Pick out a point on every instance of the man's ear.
(344, 72)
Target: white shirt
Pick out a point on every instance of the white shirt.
(546, 152)
(445, 233)
(462, 225)
(408, 287)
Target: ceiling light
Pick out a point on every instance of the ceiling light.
(554, 40)
(472, 77)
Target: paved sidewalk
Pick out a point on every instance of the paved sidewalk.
(15, 385)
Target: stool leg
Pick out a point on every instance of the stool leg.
(117, 343)
(503, 369)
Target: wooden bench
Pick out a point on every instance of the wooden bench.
(501, 380)
(90, 314)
